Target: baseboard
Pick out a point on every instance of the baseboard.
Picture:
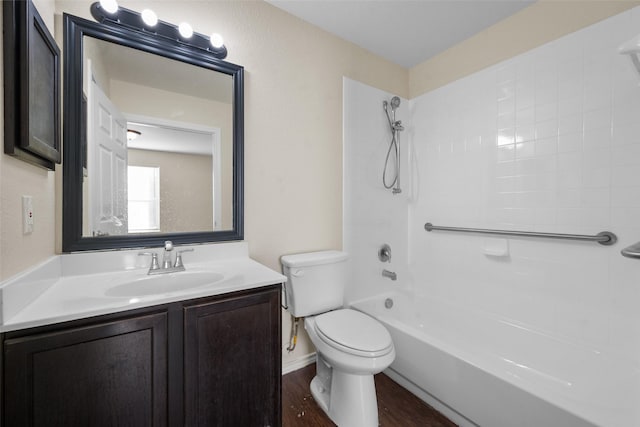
(298, 363)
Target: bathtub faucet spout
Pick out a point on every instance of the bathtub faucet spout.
(390, 274)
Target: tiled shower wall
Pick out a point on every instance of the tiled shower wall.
(546, 141)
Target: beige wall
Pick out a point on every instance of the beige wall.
(186, 188)
(293, 119)
(542, 22)
(17, 178)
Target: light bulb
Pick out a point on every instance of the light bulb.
(149, 17)
(185, 30)
(109, 6)
(216, 40)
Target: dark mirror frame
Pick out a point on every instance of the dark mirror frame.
(75, 29)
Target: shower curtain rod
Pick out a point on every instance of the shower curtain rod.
(606, 238)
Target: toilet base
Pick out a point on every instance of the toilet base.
(349, 400)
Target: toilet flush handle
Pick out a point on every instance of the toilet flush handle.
(298, 272)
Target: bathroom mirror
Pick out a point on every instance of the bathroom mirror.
(153, 137)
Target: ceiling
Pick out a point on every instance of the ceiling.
(406, 32)
(164, 138)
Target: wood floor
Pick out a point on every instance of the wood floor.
(396, 406)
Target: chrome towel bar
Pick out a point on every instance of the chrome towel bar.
(606, 238)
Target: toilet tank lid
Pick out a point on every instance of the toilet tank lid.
(313, 258)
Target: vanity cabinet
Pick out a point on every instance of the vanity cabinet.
(213, 361)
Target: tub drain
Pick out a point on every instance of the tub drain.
(388, 303)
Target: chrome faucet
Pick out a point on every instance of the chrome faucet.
(166, 257)
(167, 265)
(390, 274)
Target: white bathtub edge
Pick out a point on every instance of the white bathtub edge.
(430, 400)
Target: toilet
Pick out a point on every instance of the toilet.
(350, 346)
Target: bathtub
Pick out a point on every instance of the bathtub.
(482, 370)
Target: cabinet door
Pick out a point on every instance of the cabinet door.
(232, 361)
(107, 374)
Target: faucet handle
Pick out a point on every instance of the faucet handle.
(384, 253)
(178, 263)
(154, 260)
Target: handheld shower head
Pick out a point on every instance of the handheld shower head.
(395, 102)
(394, 145)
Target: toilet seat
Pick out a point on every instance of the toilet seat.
(353, 332)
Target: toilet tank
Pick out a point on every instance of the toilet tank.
(315, 281)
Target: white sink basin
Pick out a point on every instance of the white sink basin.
(165, 283)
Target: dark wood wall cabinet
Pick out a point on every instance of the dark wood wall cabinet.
(31, 86)
(213, 361)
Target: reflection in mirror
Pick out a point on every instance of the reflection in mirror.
(157, 168)
(159, 144)
(153, 140)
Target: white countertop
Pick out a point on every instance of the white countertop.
(74, 286)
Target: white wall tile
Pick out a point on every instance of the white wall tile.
(545, 129)
(525, 149)
(569, 141)
(596, 138)
(624, 197)
(597, 118)
(546, 146)
(628, 133)
(570, 123)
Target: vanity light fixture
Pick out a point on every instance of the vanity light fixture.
(109, 13)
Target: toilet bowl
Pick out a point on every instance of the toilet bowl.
(350, 346)
(348, 355)
(351, 341)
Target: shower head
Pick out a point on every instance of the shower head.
(395, 102)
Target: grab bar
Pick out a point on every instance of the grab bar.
(632, 251)
(606, 238)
